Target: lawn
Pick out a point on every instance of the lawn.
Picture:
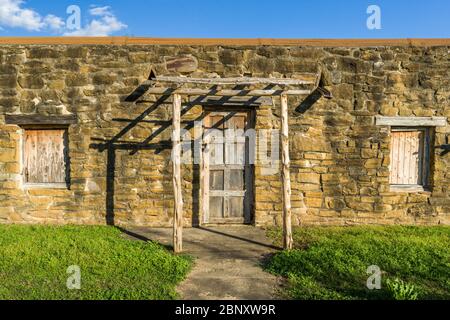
(34, 262)
(332, 262)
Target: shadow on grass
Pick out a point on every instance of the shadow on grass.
(137, 236)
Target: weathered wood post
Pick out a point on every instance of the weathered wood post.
(285, 175)
(204, 179)
(176, 179)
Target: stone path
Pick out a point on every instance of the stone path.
(228, 262)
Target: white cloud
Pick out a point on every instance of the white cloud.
(54, 22)
(15, 14)
(104, 24)
(100, 11)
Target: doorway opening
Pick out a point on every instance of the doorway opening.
(228, 166)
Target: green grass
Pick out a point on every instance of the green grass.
(34, 262)
(331, 262)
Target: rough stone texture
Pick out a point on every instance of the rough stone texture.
(119, 152)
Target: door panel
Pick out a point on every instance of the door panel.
(216, 180)
(237, 180)
(236, 207)
(230, 176)
(215, 207)
(217, 155)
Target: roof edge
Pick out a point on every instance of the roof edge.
(224, 41)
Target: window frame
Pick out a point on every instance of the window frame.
(66, 160)
(426, 163)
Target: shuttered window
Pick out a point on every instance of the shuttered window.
(409, 157)
(45, 157)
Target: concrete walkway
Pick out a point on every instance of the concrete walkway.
(228, 262)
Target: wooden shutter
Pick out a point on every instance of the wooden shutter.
(44, 159)
(407, 157)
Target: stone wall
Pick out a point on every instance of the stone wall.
(119, 153)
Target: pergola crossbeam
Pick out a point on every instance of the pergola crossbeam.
(306, 79)
(225, 93)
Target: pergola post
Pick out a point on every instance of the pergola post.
(285, 175)
(176, 179)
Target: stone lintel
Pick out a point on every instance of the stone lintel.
(411, 121)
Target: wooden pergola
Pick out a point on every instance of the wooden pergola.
(176, 86)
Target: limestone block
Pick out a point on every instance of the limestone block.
(104, 78)
(43, 53)
(181, 64)
(313, 178)
(76, 80)
(31, 82)
(8, 155)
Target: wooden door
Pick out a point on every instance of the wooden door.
(228, 172)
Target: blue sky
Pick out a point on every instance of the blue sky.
(227, 18)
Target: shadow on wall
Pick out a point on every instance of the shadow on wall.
(445, 149)
(306, 104)
(115, 144)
